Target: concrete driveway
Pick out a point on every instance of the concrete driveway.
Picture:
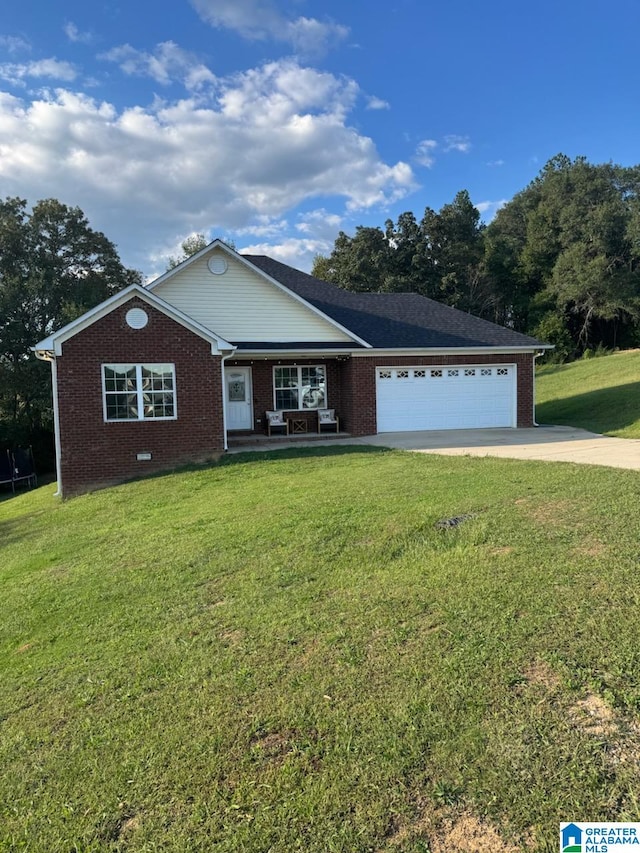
(546, 443)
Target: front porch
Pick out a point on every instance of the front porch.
(244, 441)
(298, 388)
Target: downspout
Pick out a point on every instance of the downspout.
(224, 396)
(50, 357)
(533, 367)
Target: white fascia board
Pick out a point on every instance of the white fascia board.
(53, 344)
(449, 351)
(218, 244)
(43, 350)
(271, 354)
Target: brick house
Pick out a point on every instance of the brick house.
(165, 374)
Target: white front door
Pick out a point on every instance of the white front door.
(238, 392)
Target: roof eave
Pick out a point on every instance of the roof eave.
(268, 353)
(294, 353)
(470, 350)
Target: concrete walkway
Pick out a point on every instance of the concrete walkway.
(545, 443)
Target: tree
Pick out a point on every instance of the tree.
(53, 267)
(440, 256)
(560, 261)
(512, 284)
(360, 263)
(568, 245)
(190, 245)
(407, 268)
(454, 248)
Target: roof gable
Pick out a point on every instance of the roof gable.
(224, 290)
(53, 344)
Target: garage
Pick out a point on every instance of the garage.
(454, 397)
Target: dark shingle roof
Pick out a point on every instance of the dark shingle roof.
(393, 320)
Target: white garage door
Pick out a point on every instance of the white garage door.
(460, 397)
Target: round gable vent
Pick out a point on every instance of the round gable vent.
(136, 318)
(217, 265)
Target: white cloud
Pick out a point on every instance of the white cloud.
(167, 64)
(374, 103)
(18, 73)
(490, 208)
(425, 152)
(276, 136)
(260, 20)
(310, 37)
(264, 226)
(453, 142)
(318, 227)
(495, 163)
(15, 44)
(279, 93)
(75, 35)
(320, 224)
(297, 252)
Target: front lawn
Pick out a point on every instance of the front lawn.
(285, 653)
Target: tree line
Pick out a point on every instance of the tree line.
(560, 261)
(53, 267)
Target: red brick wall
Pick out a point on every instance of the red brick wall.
(351, 386)
(359, 385)
(262, 379)
(95, 453)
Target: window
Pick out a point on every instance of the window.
(299, 388)
(436, 374)
(138, 392)
(419, 374)
(452, 372)
(402, 374)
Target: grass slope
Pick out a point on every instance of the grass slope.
(598, 394)
(283, 653)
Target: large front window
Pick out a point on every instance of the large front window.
(139, 392)
(299, 388)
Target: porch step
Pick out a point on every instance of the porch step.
(276, 440)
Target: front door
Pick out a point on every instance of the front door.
(237, 382)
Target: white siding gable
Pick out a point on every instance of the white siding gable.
(241, 305)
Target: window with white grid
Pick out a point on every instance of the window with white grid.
(297, 387)
(139, 392)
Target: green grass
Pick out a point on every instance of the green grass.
(283, 653)
(598, 394)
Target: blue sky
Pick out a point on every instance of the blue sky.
(276, 123)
